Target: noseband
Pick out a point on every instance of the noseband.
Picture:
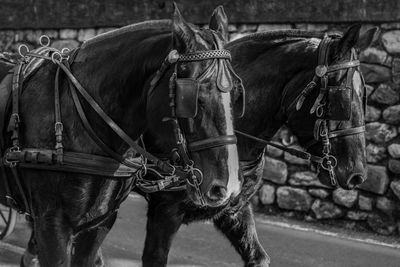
(181, 90)
(325, 111)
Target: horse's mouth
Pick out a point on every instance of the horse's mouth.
(355, 180)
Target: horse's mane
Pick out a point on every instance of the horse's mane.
(274, 36)
(151, 24)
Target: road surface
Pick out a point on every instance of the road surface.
(201, 245)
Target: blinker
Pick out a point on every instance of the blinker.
(339, 103)
(187, 91)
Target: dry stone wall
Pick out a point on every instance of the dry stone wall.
(290, 186)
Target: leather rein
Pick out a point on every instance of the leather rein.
(321, 128)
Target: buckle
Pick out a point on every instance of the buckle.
(16, 117)
(11, 163)
(321, 70)
(58, 127)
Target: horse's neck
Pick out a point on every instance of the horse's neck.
(267, 90)
(118, 73)
(4, 69)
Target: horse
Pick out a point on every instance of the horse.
(276, 68)
(262, 61)
(111, 80)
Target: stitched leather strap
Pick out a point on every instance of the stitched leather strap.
(58, 126)
(45, 159)
(345, 132)
(342, 66)
(212, 142)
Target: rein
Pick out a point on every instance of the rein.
(321, 128)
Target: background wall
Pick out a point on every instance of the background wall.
(290, 187)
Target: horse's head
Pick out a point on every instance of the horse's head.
(202, 108)
(330, 122)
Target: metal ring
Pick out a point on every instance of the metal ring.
(199, 178)
(328, 162)
(20, 51)
(173, 170)
(65, 50)
(143, 170)
(320, 111)
(54, 57)
(44, 40)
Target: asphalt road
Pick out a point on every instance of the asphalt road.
(200, 245)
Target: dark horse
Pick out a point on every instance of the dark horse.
(116, 69)
(275, 68)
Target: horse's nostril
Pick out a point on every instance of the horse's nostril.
(217, 192)
(355, 180)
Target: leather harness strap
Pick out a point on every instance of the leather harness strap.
(212, 142)
(13, 125)
(345, 132)
(58, 126)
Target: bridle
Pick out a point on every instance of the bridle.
(324, 109)
(181, 89)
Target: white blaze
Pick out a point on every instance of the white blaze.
(233, 187)
(357, 83)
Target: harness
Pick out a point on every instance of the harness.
(130, 168)
(326, 107)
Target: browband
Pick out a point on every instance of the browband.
(204, 55)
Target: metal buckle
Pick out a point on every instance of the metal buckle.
(11, 164)
(16, 117)
(58, 127)
(173, 56)
(321, 70)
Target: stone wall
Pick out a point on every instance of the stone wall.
(290, 186)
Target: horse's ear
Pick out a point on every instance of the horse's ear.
(182, 32)
(349, 39)
(219, 22)
(367, 37)
(353, 37)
